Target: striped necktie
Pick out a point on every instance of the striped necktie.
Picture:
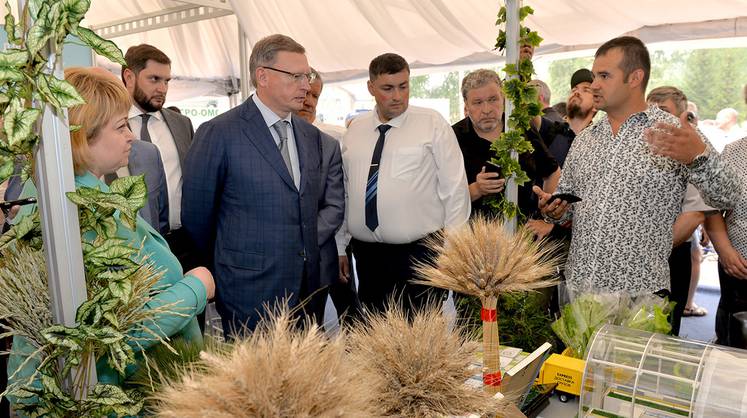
(372, 216)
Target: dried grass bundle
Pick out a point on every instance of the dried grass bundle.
(417, 367)
(483, 259)
(278, 371)
(24, 295)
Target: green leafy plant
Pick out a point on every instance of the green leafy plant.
(107, 323)
(111, 324)
(526, 107)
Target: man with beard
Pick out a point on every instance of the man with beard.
(482, 126)
(146, 76)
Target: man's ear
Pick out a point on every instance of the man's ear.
(129, 77)
(635, 78)
(370, 86)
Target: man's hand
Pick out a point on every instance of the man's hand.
(489, 183)
(682, 144)
(733, 263)
(206, 278)
(554, 209)
(344, 269)
(539, 227)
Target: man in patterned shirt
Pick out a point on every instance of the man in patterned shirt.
(632, 183)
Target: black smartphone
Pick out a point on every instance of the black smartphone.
(570, 198)
(5, 206)
(492, 168)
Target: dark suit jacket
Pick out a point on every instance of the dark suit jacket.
(240, 206)
(331, 208)
(181, 130)
(146, 159)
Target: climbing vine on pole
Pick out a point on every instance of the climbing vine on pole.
(526, 107)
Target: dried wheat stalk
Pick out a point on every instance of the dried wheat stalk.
(483, 259)
(417, 366)
(278, 371)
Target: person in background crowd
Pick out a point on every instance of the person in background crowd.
(631, 179)
(308, 112)
(334, 269)
(396, 158)
(544, 97)
(729, 235)
(251, 191)
(673, 100)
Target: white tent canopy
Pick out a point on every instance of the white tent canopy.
(341, 36)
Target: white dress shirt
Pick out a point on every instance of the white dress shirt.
(270, 119)
(422, 185)
(161, 137)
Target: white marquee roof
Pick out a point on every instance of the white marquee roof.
(341, 36)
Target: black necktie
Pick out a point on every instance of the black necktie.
(372, 216)
(144, 134)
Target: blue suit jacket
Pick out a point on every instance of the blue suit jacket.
(244, 213)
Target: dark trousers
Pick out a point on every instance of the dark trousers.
(180, 243)
(384, 274)
(730, 330)
(680, 271)
(345, 297)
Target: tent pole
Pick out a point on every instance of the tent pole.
(244, 63)
(512, 57)
(59, 219)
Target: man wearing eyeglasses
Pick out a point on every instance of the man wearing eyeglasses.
(251, 188)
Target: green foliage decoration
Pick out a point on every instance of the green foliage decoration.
(26, 83)
(118, 287)
(118, 291)
(526, 107)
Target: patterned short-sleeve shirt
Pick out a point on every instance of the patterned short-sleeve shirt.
(735, 157)
(622, 229)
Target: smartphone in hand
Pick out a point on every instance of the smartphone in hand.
(493, 168)
(5, 206)
(570, 198)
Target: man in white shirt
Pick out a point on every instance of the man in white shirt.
(146, 76)
(405, 180)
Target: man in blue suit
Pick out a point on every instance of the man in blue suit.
(251, 190)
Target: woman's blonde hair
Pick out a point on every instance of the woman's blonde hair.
(105, 96)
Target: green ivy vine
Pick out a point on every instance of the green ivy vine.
(526, 107)
(118, 287)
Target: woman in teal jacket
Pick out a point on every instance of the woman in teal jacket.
(101, 146)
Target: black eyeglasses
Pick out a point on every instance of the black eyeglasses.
(297, 77)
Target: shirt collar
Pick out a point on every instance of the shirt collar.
(394, 123)
(268, 115)
(135, 112)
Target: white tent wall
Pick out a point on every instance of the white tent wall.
(341, 36)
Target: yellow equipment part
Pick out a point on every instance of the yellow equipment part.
(566, 371)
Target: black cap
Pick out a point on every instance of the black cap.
(581, 76)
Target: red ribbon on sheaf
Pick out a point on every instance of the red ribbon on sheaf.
(492, 379)
(488, 315)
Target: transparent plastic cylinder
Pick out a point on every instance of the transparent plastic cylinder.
(631, 373)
